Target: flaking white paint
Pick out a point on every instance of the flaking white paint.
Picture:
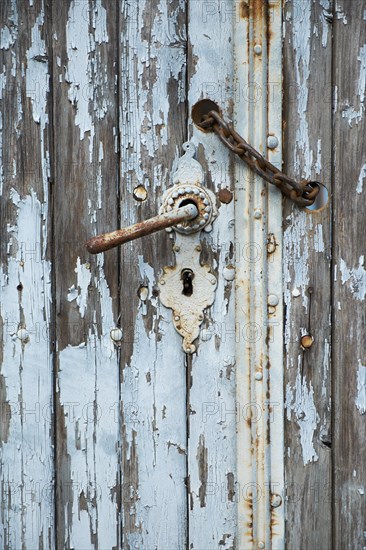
(355, 278)
(318, 238)
(27, 455)
(361, 388)
(361, 177)
(300, 402)
(80, 294)
(351, 112)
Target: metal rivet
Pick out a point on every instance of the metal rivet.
(162, 282)
(276, 500)
(257, 49)
(87, 266)
(176, 248)
(116, 334)
(23, 334)
(258, 376)
(139, 193)
(176, 318)
(21, 263)
(307, 341)
(296, 292)
(261, 545)
(198, 248)
(200, 317)
(272, 142)
(272, 300)
(257, 214)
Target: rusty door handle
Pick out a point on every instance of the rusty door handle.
(104, 242)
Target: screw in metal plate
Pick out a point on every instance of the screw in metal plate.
(116, 334)
(272, 142)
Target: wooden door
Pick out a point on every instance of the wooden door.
(110, 435)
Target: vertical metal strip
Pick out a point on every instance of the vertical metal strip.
(259, 280)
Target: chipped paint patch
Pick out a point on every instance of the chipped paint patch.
(25, 303)
(361, 388)
(303, 155)
(351, 113)
(80, 294)
(355, 278)
(361, 177)
(300, 402)
(318, 238)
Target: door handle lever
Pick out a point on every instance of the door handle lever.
(106, 241)
(188, 207)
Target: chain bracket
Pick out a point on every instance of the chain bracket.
(207, 117)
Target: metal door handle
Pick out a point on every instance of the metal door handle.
(188, 207)
(104, 242)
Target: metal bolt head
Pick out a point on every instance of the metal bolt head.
(176, 318)
(23, 334)
(272, 142)
(116, 334)
(276, 500)
(140, 193)
(261, 545)
(257, 214)
(198, 248)
(258, 376)
(272, 300)
(307, 341)
(257, 49)
(162, 281)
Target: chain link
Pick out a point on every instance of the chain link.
(302, 193)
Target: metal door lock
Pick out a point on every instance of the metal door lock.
(187, 288)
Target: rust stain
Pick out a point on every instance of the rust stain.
(202, 460)
(225, 196)
(244, 9)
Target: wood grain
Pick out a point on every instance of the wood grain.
(307, 59)
(152, 96)
(349, 352)
(211, 372)
(85, 202)
(26, 434)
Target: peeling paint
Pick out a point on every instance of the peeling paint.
(361, 177)
(351, 113)
(80, 294)
(355, 278)
(26, 372)
(300, 402)
(318, 238)
(361, 388)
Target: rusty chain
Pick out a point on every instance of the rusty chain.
(302, 193)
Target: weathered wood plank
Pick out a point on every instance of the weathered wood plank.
(211, 371)
(153, 386)
(307, 274)
(349, 352)
(26, 433)
(86, 203)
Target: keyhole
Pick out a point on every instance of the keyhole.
(187, 278)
